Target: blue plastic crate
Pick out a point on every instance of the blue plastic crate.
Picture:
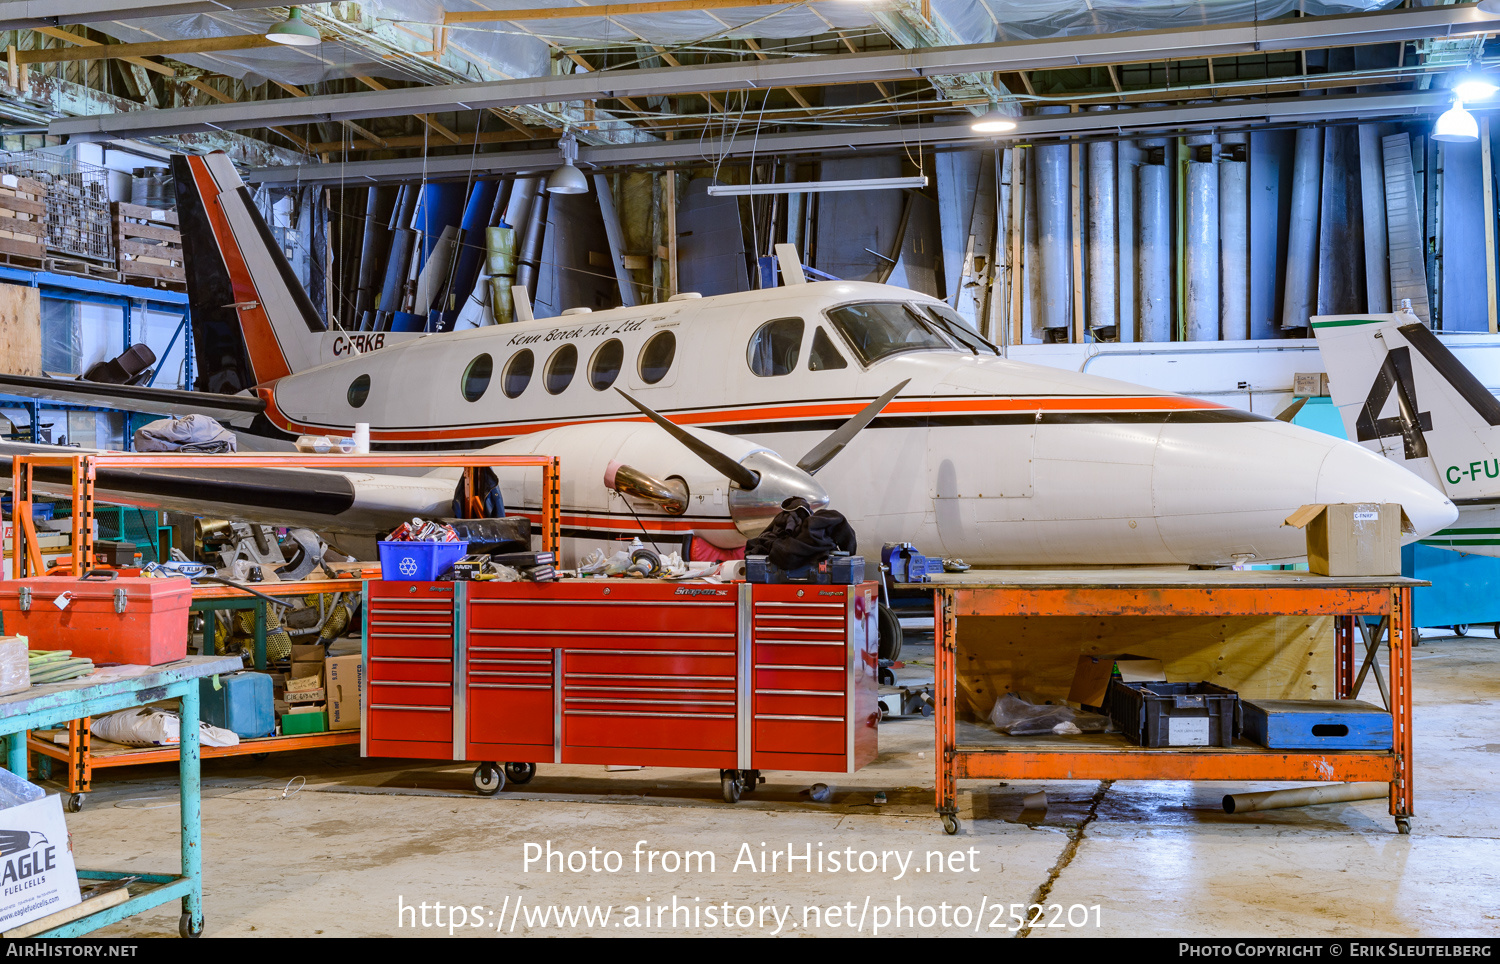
(418, 561)
(40, 511)
(1316, 724)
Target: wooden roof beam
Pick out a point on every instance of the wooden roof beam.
(296, 91)
(427, 119)
(154, 48)
(604, 10)
(74, 38)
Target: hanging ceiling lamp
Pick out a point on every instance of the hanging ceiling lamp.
(1475, 86)
(993, 122)
(294, 31)
(1456, 125)
(567, 179)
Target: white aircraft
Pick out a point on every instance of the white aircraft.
(1403, 394)
(939, 440)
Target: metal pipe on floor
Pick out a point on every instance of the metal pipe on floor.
(1054, 305)
(1201, 255)
(1234, 237)
(1154, 277)
(1103, 288)
(1297, 305)
(1304, 796)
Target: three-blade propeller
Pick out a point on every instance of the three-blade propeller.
(817, 457)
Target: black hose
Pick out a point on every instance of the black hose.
(236, 585)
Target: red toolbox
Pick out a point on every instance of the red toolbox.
(108, 618)
(729, 676)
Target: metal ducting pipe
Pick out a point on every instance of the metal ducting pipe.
(1127, 159)
(1103, 287)
(1201, 255)
(1372, 203)
(1234, 237)
(1302, 237)
(1154, 278)
(529, 258)
(1054, 246)
(1304, 796)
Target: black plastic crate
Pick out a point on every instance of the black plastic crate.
(1174, 714)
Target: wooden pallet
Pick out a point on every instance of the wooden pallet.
(81, 268)
(23, 228)
(149, 244)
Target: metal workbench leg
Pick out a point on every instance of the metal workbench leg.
(260, 634)
(945, 723)
(1343, 667)
(191, 924)
(15, 754)
(1401, 706)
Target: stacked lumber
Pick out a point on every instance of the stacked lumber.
(149, 245)
(23, 228)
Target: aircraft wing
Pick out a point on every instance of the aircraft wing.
(351, 501)
(135, 398)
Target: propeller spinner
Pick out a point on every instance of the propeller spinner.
(763, 480)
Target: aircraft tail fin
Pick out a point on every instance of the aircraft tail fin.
(252, 322)
(1402, 393)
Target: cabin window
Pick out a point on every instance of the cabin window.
(775, 346)
(656, 357)
(518, 373)
(477, 377)
(952, 324)
(604, 367)
(560, 369)
(877, 330)
(824, 357)
(359, 390)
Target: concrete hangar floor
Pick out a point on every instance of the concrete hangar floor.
(325, 843)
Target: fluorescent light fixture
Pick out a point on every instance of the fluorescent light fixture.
(1472, 87)
(817, 187)
(294, 31)
(1456, 125)
(992, 121)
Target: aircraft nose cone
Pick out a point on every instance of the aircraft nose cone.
(1354, 474)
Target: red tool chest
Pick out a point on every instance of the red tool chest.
(737, 677)
(109, 619)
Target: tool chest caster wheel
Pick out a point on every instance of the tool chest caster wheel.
(489, 779)
(185, 927)
(75, 802)
(950, 824)
(519, 773)
(733, 783)
(1403, 824)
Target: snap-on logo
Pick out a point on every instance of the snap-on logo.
(685, 591)
(827, 593)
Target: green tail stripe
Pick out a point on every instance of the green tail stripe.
(1467, 532)
(1460, 542)
(1349, 322)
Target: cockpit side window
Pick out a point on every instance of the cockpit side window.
(877, 330)
(824, 357)
(952, 324)
(775, 347)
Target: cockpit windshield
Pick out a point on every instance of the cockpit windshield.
(877, 330)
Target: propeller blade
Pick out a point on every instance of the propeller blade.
(1290, 412)
(721, 463)
(822, 453)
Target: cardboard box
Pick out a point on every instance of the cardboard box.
(308, 653)
(1353, 538)
(346, 686)
(1310, 384)
(37, 856)
(305, 671)
(304, 683)
(1091, 678)
(304, 708)
(303, 697)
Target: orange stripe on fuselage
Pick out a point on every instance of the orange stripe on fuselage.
(266, 359)
(773, 413)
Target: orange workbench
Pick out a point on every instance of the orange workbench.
(966, 750)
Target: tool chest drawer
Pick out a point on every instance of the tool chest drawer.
(716, 666)
(412, 724)
(409, 668)
(603, 609)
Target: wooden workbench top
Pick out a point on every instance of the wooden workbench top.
(1157, 579)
